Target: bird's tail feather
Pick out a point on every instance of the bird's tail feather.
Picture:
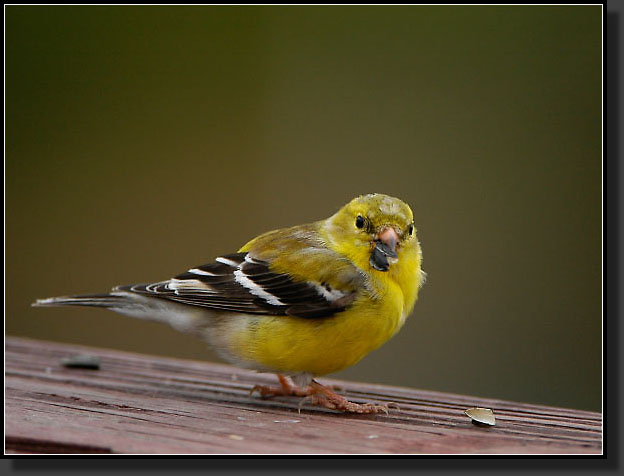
(93, 300)
(180, 317)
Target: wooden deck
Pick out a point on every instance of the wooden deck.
(145, 404)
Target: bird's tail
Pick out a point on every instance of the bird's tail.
(182, 318)
(92, 300)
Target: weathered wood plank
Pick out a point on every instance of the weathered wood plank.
(146, 404)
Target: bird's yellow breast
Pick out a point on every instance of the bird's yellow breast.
(321, 346)
(325, 345)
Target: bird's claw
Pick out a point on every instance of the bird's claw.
(317, 394)
(253, 389)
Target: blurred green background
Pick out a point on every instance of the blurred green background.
(141, 141)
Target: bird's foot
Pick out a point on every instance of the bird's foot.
(326, 397)
(317, 394)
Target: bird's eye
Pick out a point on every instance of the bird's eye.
(410, 229)
(359, 221)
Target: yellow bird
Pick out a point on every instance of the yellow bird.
(301, 302)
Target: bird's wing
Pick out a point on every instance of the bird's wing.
(240, 282)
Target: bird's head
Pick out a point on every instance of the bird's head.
(373, 230)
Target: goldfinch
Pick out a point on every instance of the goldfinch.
(301, 302)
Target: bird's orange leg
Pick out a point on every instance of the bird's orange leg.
(318, 394)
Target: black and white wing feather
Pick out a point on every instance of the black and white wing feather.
(240, 283)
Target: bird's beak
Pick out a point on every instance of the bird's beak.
(384, 248)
